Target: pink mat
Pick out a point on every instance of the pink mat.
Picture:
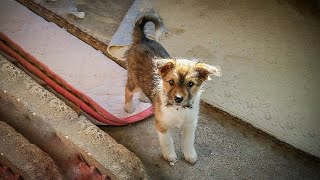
(89, 73)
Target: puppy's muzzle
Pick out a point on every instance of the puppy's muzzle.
(178, 99)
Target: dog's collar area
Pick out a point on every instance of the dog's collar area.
(188, 106)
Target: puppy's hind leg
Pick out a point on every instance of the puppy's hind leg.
(143, 97)
(128, 106)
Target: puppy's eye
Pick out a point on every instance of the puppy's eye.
(190, 84)
(171, 82)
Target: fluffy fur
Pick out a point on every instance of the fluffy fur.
(172, 85)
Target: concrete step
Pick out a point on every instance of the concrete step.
(7, 174)
(78, 147)
(24, 158)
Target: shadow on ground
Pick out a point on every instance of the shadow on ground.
(227, 149)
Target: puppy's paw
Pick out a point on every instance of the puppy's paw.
(128, 108)
(191, 157)
(172, 158)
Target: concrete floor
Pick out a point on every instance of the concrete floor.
(268, 52)
(269, 55)
(227, 149)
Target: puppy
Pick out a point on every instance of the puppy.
(173, 85)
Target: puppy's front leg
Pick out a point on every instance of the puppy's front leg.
(167, 148)
(189, 152)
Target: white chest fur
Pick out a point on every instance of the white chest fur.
(178, 116)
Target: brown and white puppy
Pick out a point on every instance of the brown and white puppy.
(173, 86)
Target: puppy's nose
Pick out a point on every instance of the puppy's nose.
(178, 99)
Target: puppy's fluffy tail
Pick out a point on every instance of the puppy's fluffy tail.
(149, 15)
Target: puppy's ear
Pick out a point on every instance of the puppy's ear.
(205, 71)
(164, 66)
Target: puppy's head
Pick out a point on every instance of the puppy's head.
(182, 79)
